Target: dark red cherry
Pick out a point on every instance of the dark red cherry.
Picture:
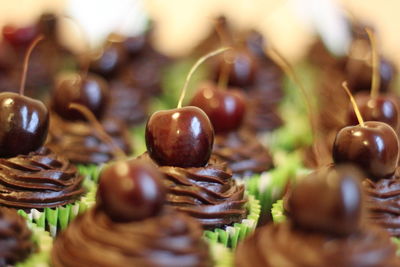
(24, 124)
(90, 90)
(242, 65)
(381, 108)
(225, 108)
(20, 36)
(135, 44)
(113, 55)
(130, 191)
(181, 137)
(374, 148)
(329, 200)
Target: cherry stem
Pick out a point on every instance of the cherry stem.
(26, 62)
(353, 102)
(194, 68)
(376, 78)
(102, 134)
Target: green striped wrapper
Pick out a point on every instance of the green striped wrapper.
(56, 219)
(221, 255)
(91, 172)
(231, 235)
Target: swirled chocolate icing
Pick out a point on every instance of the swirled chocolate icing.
(78, 141)
(384, 202)
(244, 154)
(207, 193)
(170, 239)
(38, 180)
(284, 245)
(15, 237)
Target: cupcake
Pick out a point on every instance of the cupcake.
(332, 232)
(131, 226)
(21, 246)
(72, 135)
(179, 142)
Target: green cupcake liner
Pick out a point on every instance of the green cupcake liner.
(222, 256)
(91, 172)
(56, 219)
(396, 241)
(44, 244)
(277, 212)
(269, 186)
(231, 235)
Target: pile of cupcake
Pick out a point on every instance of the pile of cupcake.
(90, 175)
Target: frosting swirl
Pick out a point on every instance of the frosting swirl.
(209, 194)
(38, 180)
(283, 245)
(15, 237)
(244, 154)
(169, 239)
(383, 202)
(79, 142)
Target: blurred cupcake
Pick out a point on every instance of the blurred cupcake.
(318, 231)
(131, 226)
(21, 246)
(72, 135)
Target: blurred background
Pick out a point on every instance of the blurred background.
(290, 25)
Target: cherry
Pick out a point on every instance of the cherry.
(242, 64)
(24, 121)
(134, 44)
(89, 90)
(20, 36)
(181, 137)
(130, 191)
(225, 108)
(110, 58)
(381, 108)
(373, 147)
(328, 200)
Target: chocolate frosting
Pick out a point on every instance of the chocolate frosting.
(384, 202)
(170, 239)
(284, 245)
(208, 193)
(15, 237)
(78, 140)
(41, 179)
(242, 151)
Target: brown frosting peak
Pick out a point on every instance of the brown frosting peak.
(283, 245)
(79, 142)
(38, 180)
(15, 237)
(383, 202)
(170, 239)
(244, 154)
(208, 193)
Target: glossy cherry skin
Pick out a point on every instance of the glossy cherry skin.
(130, 191)
(242, 67)
(225, 108)
(329, 200)
(91, 91)
(181, 137)
(374, 148)
(24, 124)
(20, 36)
(382, 108)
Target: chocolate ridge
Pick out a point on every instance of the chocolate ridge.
(41, 179)
(284, 245)
(383, 202)
(79, 142)
(208, 193)
(170, 239)
(244, 154)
